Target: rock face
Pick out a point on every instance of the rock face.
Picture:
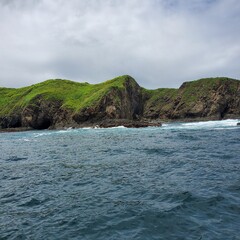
(201, 99)
(122, 103)
(126, 123)
(13, 121)
(40, 115)
(118, 102)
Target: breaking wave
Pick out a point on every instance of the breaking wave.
(221, 124)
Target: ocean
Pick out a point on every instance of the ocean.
(178, 181)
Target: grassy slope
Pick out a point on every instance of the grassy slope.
(189, 91)
(201, 88)
(160, 98)
(76, 96)
(73, 95)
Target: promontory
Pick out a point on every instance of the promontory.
(57, 104)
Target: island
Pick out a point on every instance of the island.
(59, 104)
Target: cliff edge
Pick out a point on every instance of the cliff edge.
(209, 98)
(55, 104)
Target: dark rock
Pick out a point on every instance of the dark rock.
(238, 124)
(193, 100)
(118, 103)
(13, 121)
(17, 129)
(127, 123)
(46, 114)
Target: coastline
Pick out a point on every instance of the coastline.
(62, 104)
(110, 123)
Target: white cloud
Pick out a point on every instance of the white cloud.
(161, 43)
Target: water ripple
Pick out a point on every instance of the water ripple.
(180, 181)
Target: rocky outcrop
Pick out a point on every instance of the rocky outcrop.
(125, 103)
(118, 103)
(13, 121)
(127, 123)
(197, 100)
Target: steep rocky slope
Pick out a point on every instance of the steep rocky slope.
(62, 103)
(210, 98)
(120, 101)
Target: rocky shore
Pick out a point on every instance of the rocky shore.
(60, 104)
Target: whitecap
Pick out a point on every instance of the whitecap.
(26, 140)
(118, 127)
(229, 123)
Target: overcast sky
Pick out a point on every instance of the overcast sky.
(161, 43)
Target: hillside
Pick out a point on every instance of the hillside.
(60, 103)
(63, 103)
(210, 98)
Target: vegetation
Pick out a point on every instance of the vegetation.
(160, 95)
(194, 90)
(72, 95)
(189, 91)
(76, 96)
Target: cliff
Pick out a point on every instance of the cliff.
(209, 98)
(62, 103)
(120, 101)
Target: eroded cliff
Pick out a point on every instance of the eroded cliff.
(58, 104)
(212, 98)
(120, 101)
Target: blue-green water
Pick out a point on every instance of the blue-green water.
(180, 181)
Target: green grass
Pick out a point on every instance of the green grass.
(77, 96)
(160, 96)
(164, 99)
(194, 90)
(72, 95)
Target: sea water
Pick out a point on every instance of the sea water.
(178, 181)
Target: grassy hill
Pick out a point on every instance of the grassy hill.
(62, 103)
(72, 95)
(192, 98)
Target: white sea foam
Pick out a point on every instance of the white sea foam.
(222, 124)
(116, 127)
(40, 134)
(64, 131)
(26, 140)
(101, 128)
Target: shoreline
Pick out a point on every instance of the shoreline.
(110, 123)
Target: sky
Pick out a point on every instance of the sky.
(160, 43)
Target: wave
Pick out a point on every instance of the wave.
(96, 127)
(32, 202)
(220, 124)
(16, 158)
(70, 130)
(115, 127)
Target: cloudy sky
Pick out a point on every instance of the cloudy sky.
(161, 43)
